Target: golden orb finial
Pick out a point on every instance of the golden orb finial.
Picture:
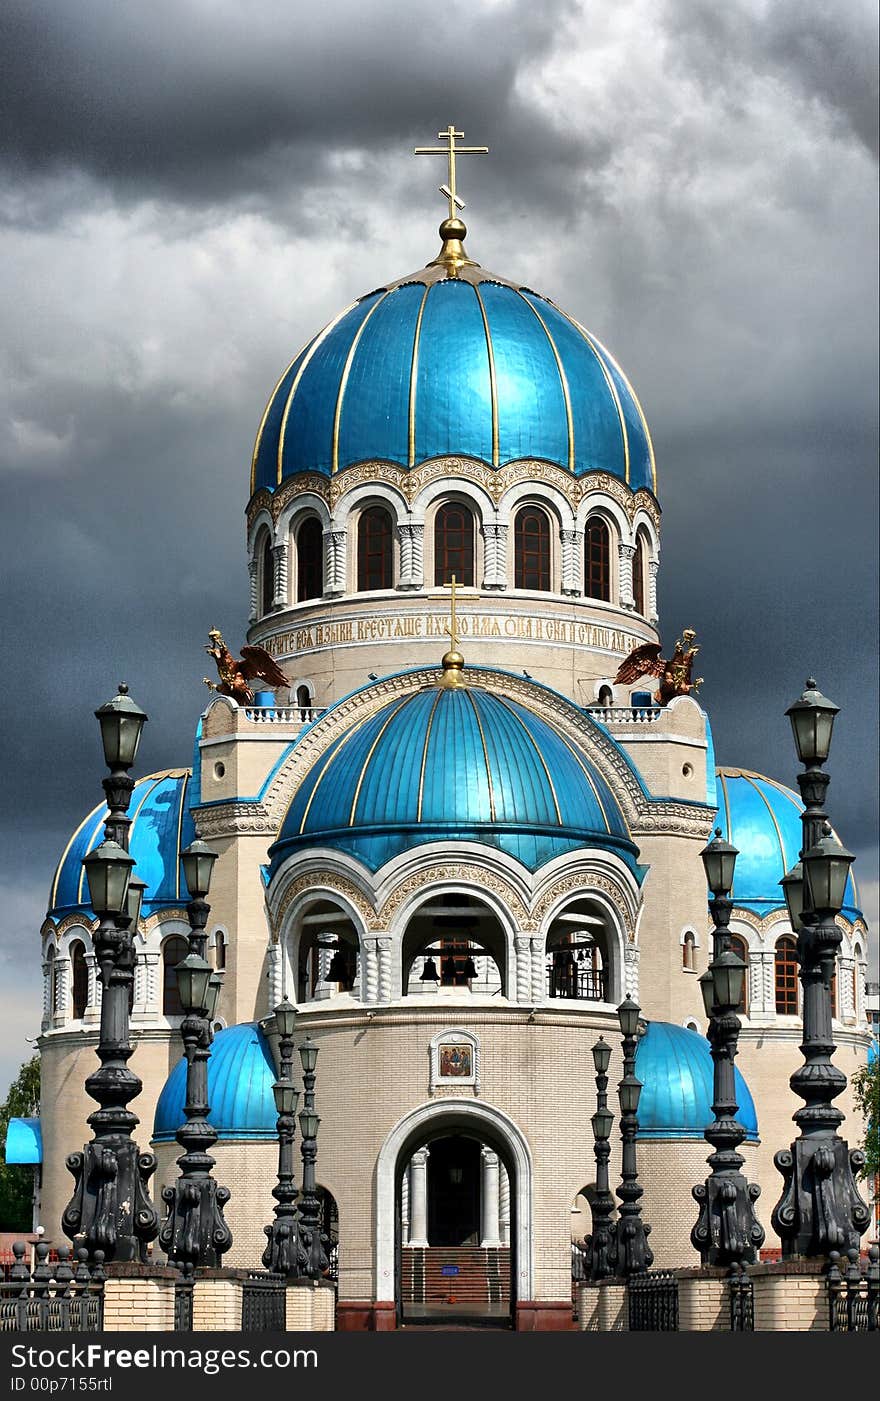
(453, 661)
(452, 231)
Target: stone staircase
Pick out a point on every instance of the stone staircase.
(480, 1286)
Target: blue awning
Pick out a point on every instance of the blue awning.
(24, 1141)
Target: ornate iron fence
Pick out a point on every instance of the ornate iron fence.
(183, 1303)
(263, 1303)
(55, 1298)
(853, 1297)
(653, 1302)
(742, 1301)
(333, 1261)
(579, 1262)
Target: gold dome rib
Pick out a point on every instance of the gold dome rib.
(424, 762)
(349, 734)
(635, 398)
(259, 438)
(413, 379)
(493, 387)
(562, 376)
(318, 341)
(612, 387)
(343, 383)
(366, 764)
(537, 749)
(485, 756)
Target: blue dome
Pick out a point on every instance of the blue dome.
(453, 765)
(470, 366)
(675, 1068)
(763, 820)
(241, 1073)
(161, 828)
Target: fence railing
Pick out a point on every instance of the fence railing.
(263, 1303)
(61, 1297)
(653, 1302)
(579, 1262)
(741, 1295)
(625, 714)
(853, 1297)
(574, 979)
(284, 714)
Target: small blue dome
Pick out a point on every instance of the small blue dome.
(763, 820)
(24, 1141)
(675, 1068)
(470, 366)
(161, 828)
(241, 1073)
(454, 765)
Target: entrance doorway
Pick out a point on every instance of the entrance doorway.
(453, 1223)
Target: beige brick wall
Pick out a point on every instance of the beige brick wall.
(703, 1305)
(311, 1309)
(217, 1306)
(790, 1302)
(138, 1305)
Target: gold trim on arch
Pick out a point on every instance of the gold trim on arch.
(562, 376)
(343, 383)
(318, 341)
(413, 380)
(493, 387)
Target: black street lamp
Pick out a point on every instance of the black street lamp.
(313, 1239)
(599, 1243)
(194, 1231)
(284, 1253)
(630, 1252)
(110, 1209)
(727, 1230)
(820, 1209)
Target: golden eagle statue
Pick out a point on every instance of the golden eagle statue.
(235, 675)
(675, 674)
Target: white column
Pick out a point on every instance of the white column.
(254, 583)
(625, 556)
(47, 986)
(653, 566)
(386, 971)
(539, 979)
(412, 552)
(523, 945)
(489, 1199)
(503, 1204)
(418, 1198)
(845, 1008)
(280, 555)
(139, 1000)
(404, 1208)
(334, 561)
(370, 979)
(571, 557)
(630, 973)
(62, 990)
(275, 957)
(494, 556)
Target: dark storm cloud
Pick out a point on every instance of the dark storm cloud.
(196, 104)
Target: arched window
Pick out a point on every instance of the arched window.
(304, 701)
(597, 560)
(639, 562)
(606, 695)
(267, 575)
(785, 965)
(740, 947)
(531, 537)
(174, 950)
(309, 560)
(454, 545)
(688, 951)
(79, 979)
(219, 950)
(375, 550)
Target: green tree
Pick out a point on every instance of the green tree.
(866, 1088)
(16, 1181)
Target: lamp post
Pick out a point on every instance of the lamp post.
(310, 1207)
(727, 1230)
(284, 1253)
(110, 1209)
(194, 1232)
(820, 1209)
(631, 1254)
(599, 1242)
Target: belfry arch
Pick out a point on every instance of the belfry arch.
(442, 1119)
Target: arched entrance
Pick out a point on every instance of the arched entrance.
(454, 1237)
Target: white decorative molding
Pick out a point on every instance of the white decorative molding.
(453, 1036)
(335, 542)
(631, 971)
(280, 556)
(653, 567)
(412, 554)
(253, 589)
(571, 559)
(494, 555)
(625, 556)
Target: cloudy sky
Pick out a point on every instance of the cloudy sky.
(191, 188)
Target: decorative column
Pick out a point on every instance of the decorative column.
(571, 556)
(418, 1199)
(370, 981)
(523, 945)
(386, 971)
(275, 958)
(412, 540)
(311, 1233)
(625, 557)
(630, 972)
(539, 972)
(284, 1254)
(48, 1009)
(280, 556)
(494, 556)
(139, 1004)
(630, 1252)
(62, 991)
(404, 1207)
(653, 566)
(820, 1209)
(600, 1241)
(334, 560)
(503, 1204)
(490, 1238)
(253, 589)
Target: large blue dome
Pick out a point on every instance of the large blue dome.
(763, 820)
(454, 765)
(675, 1068)
(241, 1073)
(161, 828)
(471, 366)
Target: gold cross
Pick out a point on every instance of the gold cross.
(453, 631)
(450, 151)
